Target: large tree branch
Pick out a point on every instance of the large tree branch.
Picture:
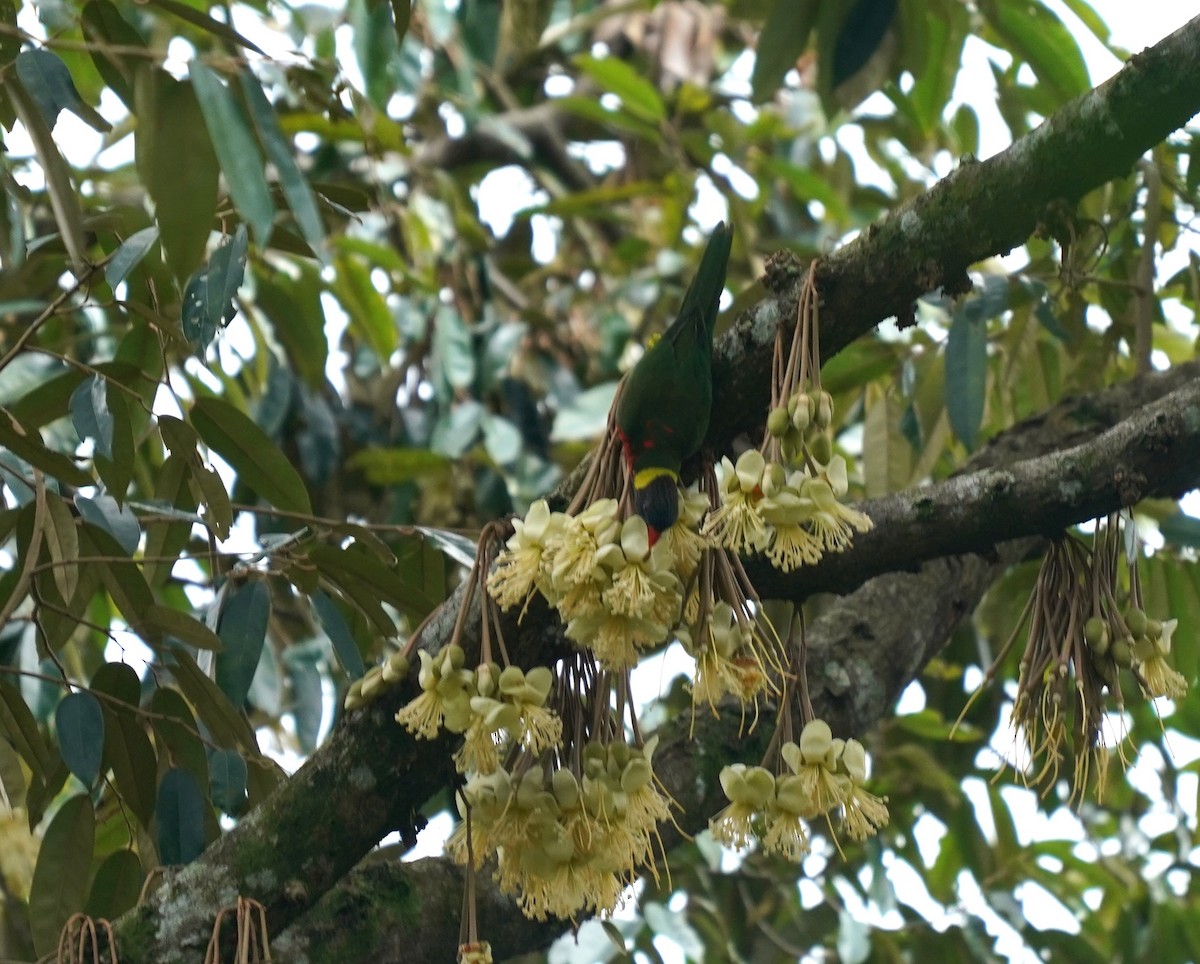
(303, 839)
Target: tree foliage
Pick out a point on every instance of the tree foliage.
(272, 355)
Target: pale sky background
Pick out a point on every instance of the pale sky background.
(1134, 25)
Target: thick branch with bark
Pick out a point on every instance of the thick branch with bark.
(371, 777)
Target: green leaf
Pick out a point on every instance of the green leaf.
(218, 510)
(251, 453)
(175, 728)
(338, 631)
(118, 521)
(243, 631)
(49, 83)
(62, 542)
(117, 886)
(501, 439)
(966, 377)
(208, 299)
(117, 472)
(1034, 34)
(359, 572)
(237, 151)
(50, 399)
(63, 872)
(130, 755)
(227, 781)
(90, 414)
(931, 725)
(780, 43)
(887, 455)
(294, 307)
(79, 723)
(206, 23)
(180, 818)
(638, 95)
(304, 684)
(295, 186)
(109, 36)
(129, 255)
(375, 46)
(20, 728)
(185, 628)
(391, 466)
(370, 318)
(170, 128)
(64, 199)
(455, 357)
(227, 724)
(27, 444)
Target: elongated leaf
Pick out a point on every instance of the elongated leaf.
(227, 725)
(296, 189)
(117, 886)
(21, 729)
(780, 43)
(247, 448)
(966, 377)
(27, 444)
(638, 95)
(887, 455)
(294, 307)
(236, 150)
(108, 31)
(130, 755)
(1034, 34)
(176, 733)
(64, 200)
(63, 872)
(90, 414)
(117, 472)
(202, 20)
(129, 255)
(62, 542)
(227, 781)
(185, 628)
(79, 723)
(49, 83)
(243, 631)
(118, 521)
(170, 129)
(338, 631)
(370, 318)
(180, 818)
(208, 299)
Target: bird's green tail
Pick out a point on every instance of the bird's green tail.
(704, 293)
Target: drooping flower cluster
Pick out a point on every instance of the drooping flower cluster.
(794, 517)
(566, 841)
(491, 707)
(616, 594)
(824, 777)
(782, 498)
(1081, 636)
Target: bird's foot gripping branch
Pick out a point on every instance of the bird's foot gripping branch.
(559, 788)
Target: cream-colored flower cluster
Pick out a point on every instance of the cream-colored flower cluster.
(616, 594)
(566, 842)
(826, 775)
(1139, 644)
(731, 655)
(794, 517)
(492, 708)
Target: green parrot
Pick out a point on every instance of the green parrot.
(663, 412)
